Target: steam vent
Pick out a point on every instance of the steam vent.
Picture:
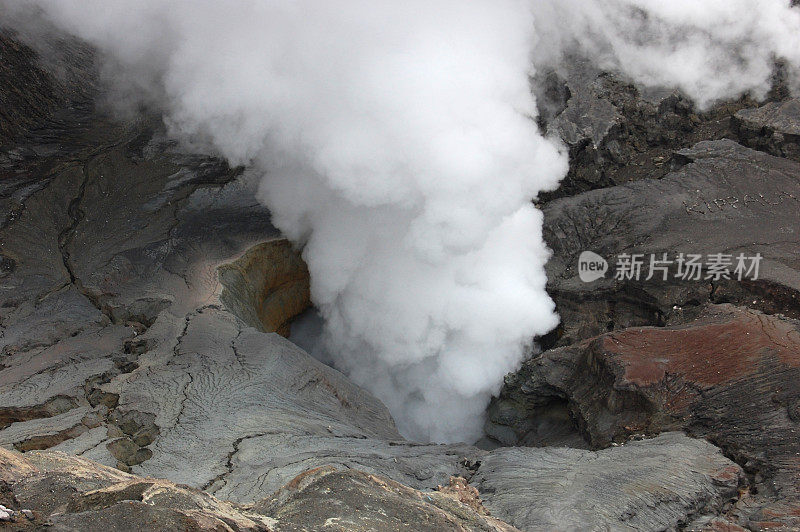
(501, 265)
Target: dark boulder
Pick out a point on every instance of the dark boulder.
(722, 198)
(730, 377)
(773, 128)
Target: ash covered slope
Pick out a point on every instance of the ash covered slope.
(64, 492)
(114, 337)
(32, 92)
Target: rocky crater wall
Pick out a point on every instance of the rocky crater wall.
(143, 385)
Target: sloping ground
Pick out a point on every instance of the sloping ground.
(63, 492)
(116, 343)
(30, 92)
(657, 484)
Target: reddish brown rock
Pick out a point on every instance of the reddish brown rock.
(708, 354)
(732, 376)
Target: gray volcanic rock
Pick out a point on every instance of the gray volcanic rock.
(45, 110)
(260, 463)
(44, 381)
(722, 198)
(773, 128)
(45, 432)
(241, 413)
(647, 485)
(63, 492)
(109, 240)
(67, 492)
(658, 484)
(32, 91)
(617, 133)
(351, 500)
(726, 377)
(730, 376)
(585, 117)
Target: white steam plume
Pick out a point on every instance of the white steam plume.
(710, 49)
(398, 146)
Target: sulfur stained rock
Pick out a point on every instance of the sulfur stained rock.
(267, 286)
